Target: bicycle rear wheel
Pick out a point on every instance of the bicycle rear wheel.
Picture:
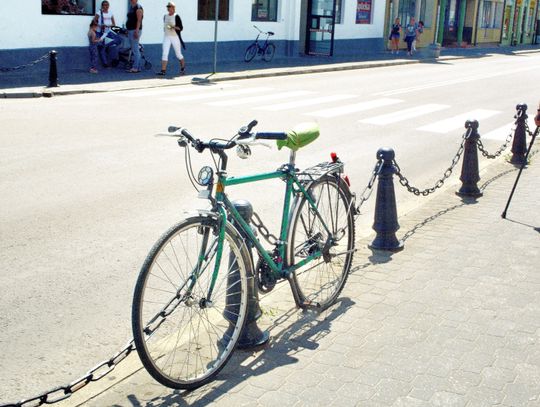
(269, 52)
(251, 51)
(319, 282)
(183, 336)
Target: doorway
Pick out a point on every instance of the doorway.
(321, 16)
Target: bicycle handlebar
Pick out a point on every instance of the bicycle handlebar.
(244, 133)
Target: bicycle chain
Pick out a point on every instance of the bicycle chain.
(16, 68)
(405, 182)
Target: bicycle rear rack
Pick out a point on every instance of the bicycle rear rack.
(318, 171)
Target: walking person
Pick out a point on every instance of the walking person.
(537, 117)
(93, 41)
(172, 28)
(419, 31)
(134, 27)
(105, 20)
(395, 33)
(410, 34)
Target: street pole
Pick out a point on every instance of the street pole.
(215, 36)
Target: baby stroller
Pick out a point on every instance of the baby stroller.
(125, 59)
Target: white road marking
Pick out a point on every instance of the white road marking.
(454, 81)
(499, 133)
(357, 107)
(405, 114)
(456, 122)
(261, 98)
(216, 94)
(305, 102)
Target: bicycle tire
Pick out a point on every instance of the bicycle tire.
(173, 349)
(269, 52)
(318, 285)
(251, 51)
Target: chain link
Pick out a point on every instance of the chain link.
(366, 193)
(499, 151)
(63, 392)
(405, 182)
(263, 230)
(16, 68)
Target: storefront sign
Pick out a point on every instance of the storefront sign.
(363, 11)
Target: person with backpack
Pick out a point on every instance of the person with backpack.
(411, 31)
(172, 28)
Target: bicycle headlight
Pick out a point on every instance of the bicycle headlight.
(205, 175)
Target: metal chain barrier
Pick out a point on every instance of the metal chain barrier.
(497, 153)
(263, 230)
(63, 392)
(405, 182)
(17, 68)
(366, 193)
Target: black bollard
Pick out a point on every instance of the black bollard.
(470, 174)
(519, 145)
(251, 335)
(53, 70)
(385, 223)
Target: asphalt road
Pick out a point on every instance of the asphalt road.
(85, 188)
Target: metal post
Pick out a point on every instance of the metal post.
(503, 215)
(519, 145)
(385, 222)
(251, 335)
(470, 174)
(53, 71)
(215, 36)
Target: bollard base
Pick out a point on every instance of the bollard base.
(387, 242)
(252, 337)
(471, 193)
(517, 159)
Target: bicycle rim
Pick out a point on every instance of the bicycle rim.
(251, 51)
(320, 281)
(269, 52)
(191, 344)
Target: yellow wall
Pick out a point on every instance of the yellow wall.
(488, 35)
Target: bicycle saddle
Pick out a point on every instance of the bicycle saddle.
(300, 136)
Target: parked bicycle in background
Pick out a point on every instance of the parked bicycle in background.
(266, 50)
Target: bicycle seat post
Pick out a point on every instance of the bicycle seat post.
(292, 158)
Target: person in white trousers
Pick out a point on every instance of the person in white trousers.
(172, 27)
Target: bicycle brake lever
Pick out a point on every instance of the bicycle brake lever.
(167, 135)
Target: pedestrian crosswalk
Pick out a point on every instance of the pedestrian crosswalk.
(376, 110)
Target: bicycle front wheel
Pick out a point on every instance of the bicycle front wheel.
(319, 282)
(269, 52)
(185, 332)
(251, 51)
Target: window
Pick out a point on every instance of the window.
(407, 9)
(68, 7)
(491, 14)
(207, 10)
(264, 10)
(338, 12)
(363, 11)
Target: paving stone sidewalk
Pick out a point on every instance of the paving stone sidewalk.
(452, 320)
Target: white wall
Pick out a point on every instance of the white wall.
(23, 25)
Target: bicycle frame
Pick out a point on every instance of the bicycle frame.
(224, 205)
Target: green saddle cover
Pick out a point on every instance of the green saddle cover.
(300, 136)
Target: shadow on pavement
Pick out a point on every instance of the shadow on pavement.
(295, 336)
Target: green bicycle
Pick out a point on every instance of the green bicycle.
(190, 300)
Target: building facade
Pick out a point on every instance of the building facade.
(311, 27)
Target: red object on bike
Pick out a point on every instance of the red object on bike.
(334, 157)
(346, 179)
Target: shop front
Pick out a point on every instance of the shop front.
(519, 22)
